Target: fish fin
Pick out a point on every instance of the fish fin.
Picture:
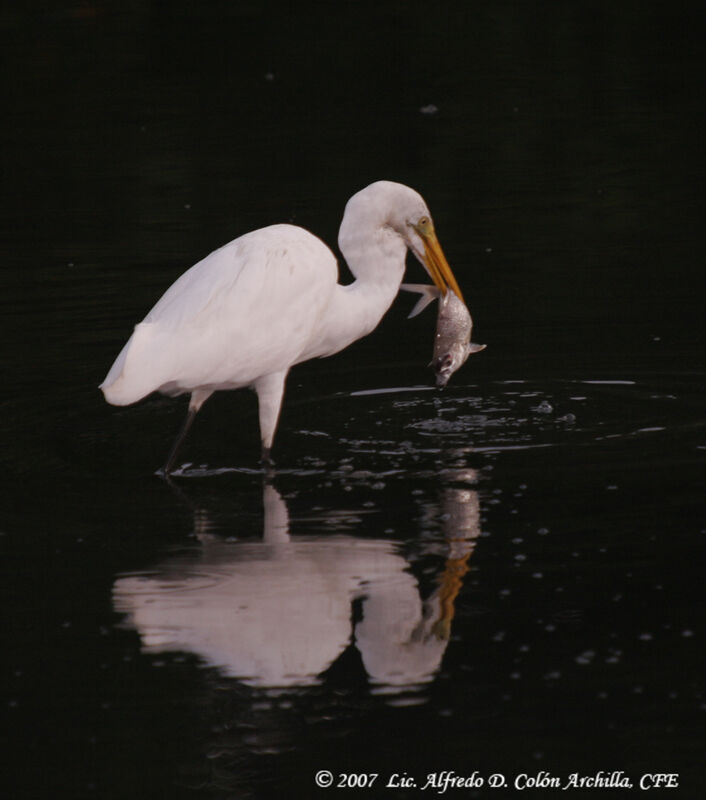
(475, 348)
(428, 292)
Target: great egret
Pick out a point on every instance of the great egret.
(249, 311)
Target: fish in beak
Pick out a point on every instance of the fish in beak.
(452, 341)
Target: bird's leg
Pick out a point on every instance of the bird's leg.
(270, 390)
(169, 464)
(198, 398)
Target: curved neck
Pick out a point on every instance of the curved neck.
(377, 263)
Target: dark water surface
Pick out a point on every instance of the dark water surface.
(503, 577)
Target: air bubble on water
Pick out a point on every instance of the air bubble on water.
(545, 407)
(586, 657)
(543, 531)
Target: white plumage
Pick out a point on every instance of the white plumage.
(270, 299)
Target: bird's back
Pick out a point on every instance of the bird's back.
(246, 310)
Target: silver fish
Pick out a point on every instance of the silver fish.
(452, 343)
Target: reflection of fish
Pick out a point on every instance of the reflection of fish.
(452, 343)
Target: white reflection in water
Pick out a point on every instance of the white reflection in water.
(279, 612)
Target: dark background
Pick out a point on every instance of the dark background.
(559, 147)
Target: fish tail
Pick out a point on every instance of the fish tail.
(428, 293)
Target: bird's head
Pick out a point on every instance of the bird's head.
(388, 209)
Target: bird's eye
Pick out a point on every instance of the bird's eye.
(424, 225)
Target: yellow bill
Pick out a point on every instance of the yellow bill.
(435, 260)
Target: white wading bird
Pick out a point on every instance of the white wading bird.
(245, 314)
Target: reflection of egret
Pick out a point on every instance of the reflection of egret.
(270, 299)
(400, 647)
(278, 612)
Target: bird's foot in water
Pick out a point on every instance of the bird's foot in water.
(268, 465)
